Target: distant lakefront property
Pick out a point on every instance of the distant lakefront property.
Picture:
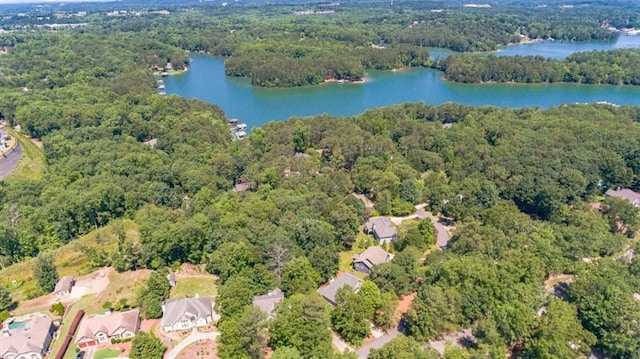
(206, 80)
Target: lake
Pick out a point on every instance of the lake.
(206, 81)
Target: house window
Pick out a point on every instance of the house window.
(102, 338)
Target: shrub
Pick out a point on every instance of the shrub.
(57, 308)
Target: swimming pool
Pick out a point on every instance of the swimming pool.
(17, 325)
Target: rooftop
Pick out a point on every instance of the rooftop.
(175, 309)
(382, 227)
(345, 279)
(268, 302)
(625, 194)
(31, 337)
(372, 256)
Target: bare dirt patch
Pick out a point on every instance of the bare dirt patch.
(403, 306)
(201, 349)
(554, 279)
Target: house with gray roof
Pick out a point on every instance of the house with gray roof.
(64, 285)
(268, 302)
(30, 339)
(381, 229)
(372, 256)
(626, 194)
(185, 314)
(330, 290)
(101, 328)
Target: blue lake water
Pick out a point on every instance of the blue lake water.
(206, 81)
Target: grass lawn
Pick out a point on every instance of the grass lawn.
(106, 353)
(66, 325)
(122, 286)
(203, 285)
(31, 165)
(361, 243)
(70, 259)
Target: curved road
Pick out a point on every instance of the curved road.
(9, 162)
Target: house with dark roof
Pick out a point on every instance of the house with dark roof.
(186, 314)
(372, 256)
(381, 229)
(64, 286)
(626, 194)
(330, 290)
(102, 328)
(29, 340)
(268, 302)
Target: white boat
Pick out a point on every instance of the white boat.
(242, 126)
(241, 134)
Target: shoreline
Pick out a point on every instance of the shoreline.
(333, 80)
(171, 72)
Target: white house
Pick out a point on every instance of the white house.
(185, 314)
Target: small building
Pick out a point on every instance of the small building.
(373, 256)
(381, 229)
(242, 187)
(626, 194)
(151, 143)
(171, 277)
(185, 314)
(268, 302)
(330, 290)
(99, 329)
(28, 340)
(64, 286)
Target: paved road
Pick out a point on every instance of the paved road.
(363, 351)
(340, 344)
(194, 337)
(442, 234)
(9, 162)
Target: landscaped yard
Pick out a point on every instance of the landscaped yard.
(71, 313)
(362, 242)
(106, 353)
(202, 349)
(189, 286)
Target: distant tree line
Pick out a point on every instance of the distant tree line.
(615, 67)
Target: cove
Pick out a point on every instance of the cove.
(206, 81)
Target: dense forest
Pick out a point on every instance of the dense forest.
(517, 183)
(616, 67)
(304, 44)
